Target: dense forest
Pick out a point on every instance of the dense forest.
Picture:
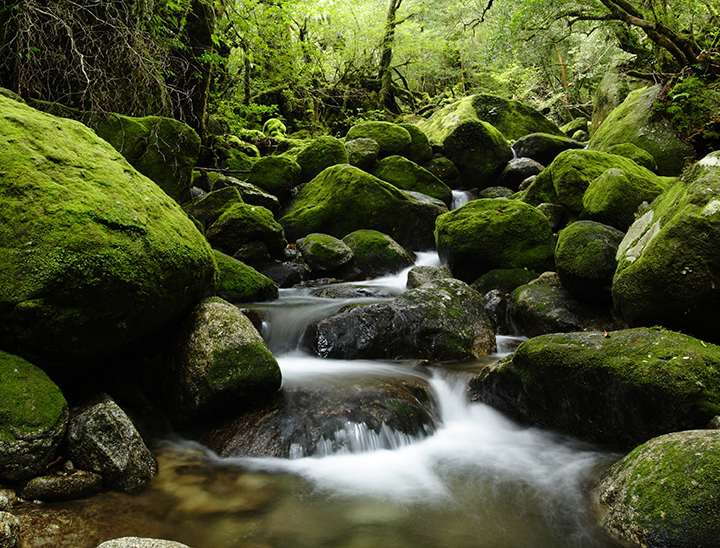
(322, 65)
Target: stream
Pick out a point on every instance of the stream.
(479, 480)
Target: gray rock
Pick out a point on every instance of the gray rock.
(62, 486)
(517, 170)
(101, 438)
(543, 148)
(136, 542)
(376, 254)
(250, 194)
(9, 531)
(420, 275)
(286, 273)
(495, 303)
(555, 213)
(350, 292)
(325, 255)
(362, 152)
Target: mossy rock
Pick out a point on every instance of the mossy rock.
(615, 196)
(504, 279)
(377, 254)
(633, 122)
(33, 418)
(163, 149)
(393, 139)
(611, 92)
(544, 147)
(220, 365)
(496, 233)
(478, 150)
(95, 256)
(239, 283)
(274, 128)
(208, 208)
(512, 118)
(565, 181)
(362, 152)
(420, 150)
(407, 175)
(576, 124)
(324, 254)
(277, 175)
(343, 199)
(444, 169)
(250, 194)
(665, 492)
(585, 259)
(618, 389)
(669, 262)
(323, 152)
(638, 155)
(244, 223)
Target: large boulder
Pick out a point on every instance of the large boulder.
(633, 122)
(362, 152)
(33, 417)
(615, 196)
(376, 254)
(544, 147)
(665, 492)
(420, 150)
(407, 175)
(343, 199)
(478, 150)
(442, 320)
(208, 208)
(101, 438)
(239, 283)
(243, 223)
(613, 89)
(618, 389)
(487, 234)
(276, 175)
(250, 194)
(669, 261)
(95, 256)
(585, 259)
(512, 118)
(219, 364)
(163, 149)
(323, 152)
(565, 181)
(324, 254)
(392, 139)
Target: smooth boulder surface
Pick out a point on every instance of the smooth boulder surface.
(376, 254)
(633, 122)
(343, 199)
(669, 261)
(101, 438)
(242, 224)
(324, 254)
(665, 492)
(219, 364)
(33, 418)
(95, 256)
(477, 149)
(362, 152)
(62, 486)
(321, 153)
(512, 118)
(442, 320)
(585, 259)
(518, 170)
(618, 389)
(407, 175)
(393, 139)
(488, 234)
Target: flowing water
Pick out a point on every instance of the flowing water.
(478, 481)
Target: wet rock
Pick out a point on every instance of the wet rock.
(34, 415)
(489, 234)
(517, 170)
(495, 303)
(376, 254)
(420, 275)
(319, 420)
(619, 388)
(350, 292)
(665, 492)
(62, 486)
(9, 531)
(495, 192)
(101, 438)
(136, 542)
(325, 254)
(555, 213)
(250, 194)
(220, 363)
(441, 320)
(543, 147)
(286, 273)
(504, 279)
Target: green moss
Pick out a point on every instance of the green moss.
(244, 223)
(377, 253)
(512, 118)
(238, 283)
(635, 153)
(392, 138)
(323, 152)
(31, 403)
(248, 367)
(208, 208)
(274, 128)
(420, 150)
(407, 175)
(276, 175)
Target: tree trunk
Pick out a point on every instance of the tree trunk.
(385, 74)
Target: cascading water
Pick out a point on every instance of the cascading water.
(460, 198)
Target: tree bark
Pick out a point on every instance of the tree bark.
(385, 74)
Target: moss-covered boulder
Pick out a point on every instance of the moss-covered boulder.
(633, 122)
(324, 254)
(669, 262)
(392, 139)
(321, 153)
(243, 223)
(512, 118)
(239, 283)
(487, 234)
(95, 256)
(33, 417)
(407, 175)
(343, 199)
(274, 128)
(444, 169)
(276, 175)
(478, 150)
(251, 194)
(376, 254)
(504, 279)
(220, 364)
(209, 207)
(585, 259)
(362, 152)
(618, 389)
(576, 124)
(638, 155)
(420, 150)
(543, 147)
(163, 149)
(441, 320)
(565, 181)
(516, 171)
(665, 492)
(615, 196)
